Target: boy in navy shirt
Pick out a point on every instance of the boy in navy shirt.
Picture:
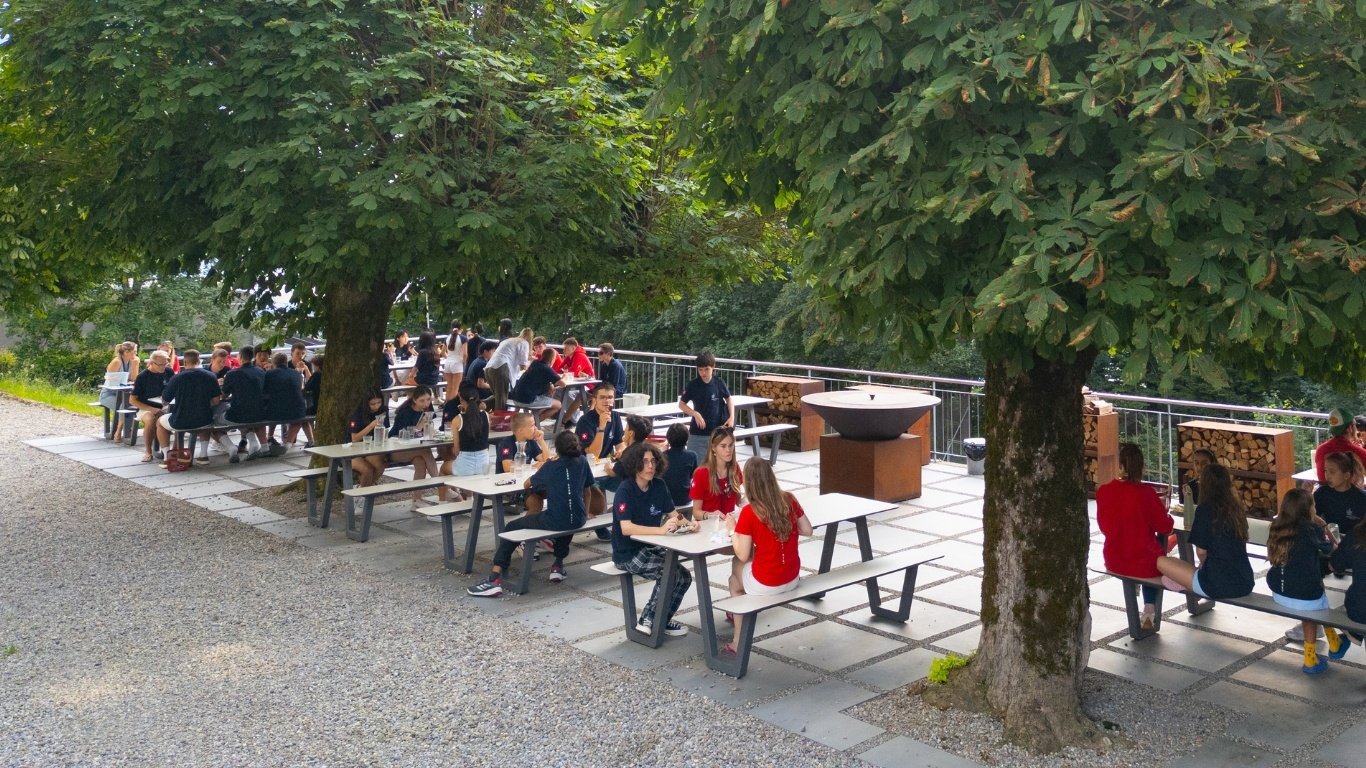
(643, 507)
(682, 464)
(600, 430)
(564, 481)
(707, 400)
(535, 386)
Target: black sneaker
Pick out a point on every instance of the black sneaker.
(672, 629)
(603, 534)
(490, 587)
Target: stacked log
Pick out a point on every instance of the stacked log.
(787, 408)
(1261, 460)
(1100, 429)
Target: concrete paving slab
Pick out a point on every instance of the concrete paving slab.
(297, 529)
(962, 643)
(217, 503)
(167, 480)
(1224, 751)
(937, 496)
(582, 617)
(814, 712)
(939, 523)
(894, 538)
(766, 677)
(959, 555)
(829, 645)
(1188, 647)
(130, 471)
(614, 647)
(926, 621)
(843, 599)
(1142, 670)
(902, 669)
(1273, 720)
(210, 488)
(63, 440)
(770, 621)
(1347, 748)
(129, 458)
(963, 592)
(252, 515)
(1280, 671)
(810, 553)
(1253, 625)
(905, 752)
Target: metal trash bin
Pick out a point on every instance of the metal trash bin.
(975, 448)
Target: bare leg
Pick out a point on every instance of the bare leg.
(1177, 570)
(737, 587)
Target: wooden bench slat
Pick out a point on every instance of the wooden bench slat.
(826, 582)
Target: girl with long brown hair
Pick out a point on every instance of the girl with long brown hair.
(716, 484)
(1297, 538)
(764, 537)
(1219, 534)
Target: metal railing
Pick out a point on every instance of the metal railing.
(1150, 422)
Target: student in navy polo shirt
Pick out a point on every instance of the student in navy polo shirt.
(1219, 535)
(1339, 499)
(1297, 539)
(682, 464)
(644, 507)
(600, 430)
(563, 481)
(538, 383)
(707, 400)
(527, 434)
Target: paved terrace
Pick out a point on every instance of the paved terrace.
(162, 619)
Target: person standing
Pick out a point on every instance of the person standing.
(505, 366)
(707, 400)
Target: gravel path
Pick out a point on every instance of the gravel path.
(146, 631)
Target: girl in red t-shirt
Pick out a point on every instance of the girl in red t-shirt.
(716, 484)
(1131, 516)
(765, 538)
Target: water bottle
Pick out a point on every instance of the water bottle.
(519, 462)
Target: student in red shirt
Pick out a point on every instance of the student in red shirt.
(1343, 439)
(765, 539)
(574, 361)
(1132, 517)
(716, 484)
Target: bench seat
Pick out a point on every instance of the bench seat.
(311, 478)
(867, 571)
(529, 537)
(368, 494)
(752, 434)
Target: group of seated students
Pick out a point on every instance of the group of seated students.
(1311, 536)
(252, 393)
(521, 368)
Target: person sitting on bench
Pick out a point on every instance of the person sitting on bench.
(1132, 517)
(643, 507)
(1219, 535)
(562, 481)
(192, 394)
(1297, 540)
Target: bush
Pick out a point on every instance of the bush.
(9, 362)
(941, 667)
(60, 366)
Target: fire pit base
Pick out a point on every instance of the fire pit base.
(886, 470)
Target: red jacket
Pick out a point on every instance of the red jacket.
(576, 364)
(1131, 517)
(1339, 444)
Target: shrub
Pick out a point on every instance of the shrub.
(941, 667)
(9, 362)
(61, 366)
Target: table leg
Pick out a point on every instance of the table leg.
(499, 514)
(448, 541)
(827, 553)
(472, 536)
(329, 488)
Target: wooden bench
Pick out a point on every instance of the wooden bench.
(528, 537)
(752, 434)
(367, 496)
(445, 513)
(868, 571)
(311, 477)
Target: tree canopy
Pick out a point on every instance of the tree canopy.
(1180, 183)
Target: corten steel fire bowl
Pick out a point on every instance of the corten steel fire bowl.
(881, 415)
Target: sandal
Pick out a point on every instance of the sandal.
(728, 650)
(146, 459)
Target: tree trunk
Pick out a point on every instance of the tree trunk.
(1035, 619)
(355, 323)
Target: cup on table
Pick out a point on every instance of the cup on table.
(369, 441)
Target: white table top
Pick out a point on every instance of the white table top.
(357, 450)
(1310, 475)
(498, 485)
(658, 410)
(821, 510)
(749, 401)
(572, 381)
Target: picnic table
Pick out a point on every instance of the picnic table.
(121, 392)
(823, 510)
(339, 458)
(572, 384)
(494, 488)
(1306, 478)
(744, 407)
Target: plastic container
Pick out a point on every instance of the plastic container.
(634, 400)
(975, 448)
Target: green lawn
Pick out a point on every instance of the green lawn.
(68, 397)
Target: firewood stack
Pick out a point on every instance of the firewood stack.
(1261, 460)
(787, 408)
(1100, 429)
